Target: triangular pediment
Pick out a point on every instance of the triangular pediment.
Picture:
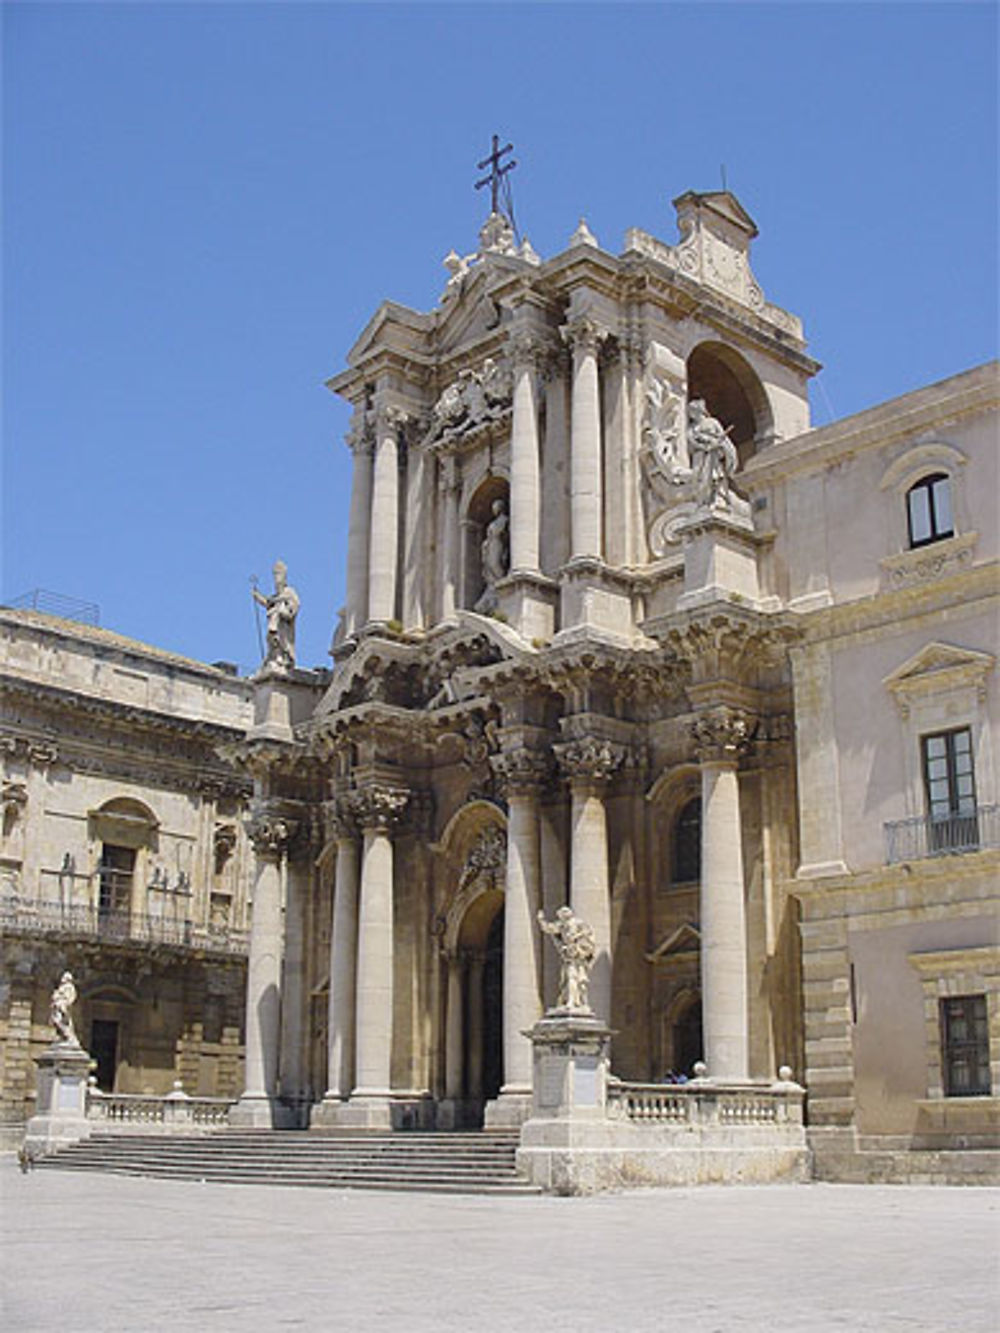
(939, 665)
(722, 202)
(686, 939)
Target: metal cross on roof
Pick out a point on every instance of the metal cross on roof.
(497, 172)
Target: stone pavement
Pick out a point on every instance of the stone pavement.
(85, 1253)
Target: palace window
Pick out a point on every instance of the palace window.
(928, 510)
(965, 1046)
(115, 887)
(951, 791)
(686, 859)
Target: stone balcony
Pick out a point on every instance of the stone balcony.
(925, 836)
(31, 917)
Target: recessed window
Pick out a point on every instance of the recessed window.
(951, 791)
(686, 858)
(965, 1046)
(928, 509)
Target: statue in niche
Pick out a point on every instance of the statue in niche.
(495, 554)
(281, 608)
(714, 459)
(577, 947)
(63, 1000)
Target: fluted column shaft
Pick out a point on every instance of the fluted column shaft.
(359, 537)
(522, 1004)
(450, 538)
(343, 969)
(586, 488)
(725, 1011)
(383, 556)
(453, 1033)
(292, 1064)
(524, 464)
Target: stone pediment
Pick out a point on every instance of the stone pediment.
(686, 939)
(937, 667)
(393, 327)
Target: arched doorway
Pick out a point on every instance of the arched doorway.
(492, 1016)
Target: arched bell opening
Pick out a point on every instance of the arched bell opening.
(732, 394)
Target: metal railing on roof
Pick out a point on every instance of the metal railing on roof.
(57, 604)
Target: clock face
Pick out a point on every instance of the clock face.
(722, 264)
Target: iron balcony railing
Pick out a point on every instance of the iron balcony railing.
(27, 916)
(949, 835)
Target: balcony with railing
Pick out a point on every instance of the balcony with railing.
(947, 835)
(117, 926)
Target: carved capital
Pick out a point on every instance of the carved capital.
(521, 772)
(583, 334)
(339, 824)
(377, 807)
(722, 734)
(42, 755)
(526, 350)
(271, 832)
(589, 760)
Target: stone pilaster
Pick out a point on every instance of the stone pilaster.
(589, 762)
(343, 965)
(721, 735)
(270, 832)
(453, 1032)
(358, 533)
(383, 546)
(524, 462)
(450, 486)
(584, 335)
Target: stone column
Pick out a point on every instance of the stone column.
(721, 735)
(453, 1035)
(586, 490)
(522, 772)
(376, 809)
(270, 833)
(477, 964)
(343, 963)
(450, 484)
(524, 464)
(383, 557)
(588, 763)
(292, 1067)
(358, 533)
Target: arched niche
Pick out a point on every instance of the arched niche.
(733, 395)
(478, 513)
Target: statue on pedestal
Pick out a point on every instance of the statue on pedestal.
(63, 999)
(714, 459)
(577, 947)
(281, 608)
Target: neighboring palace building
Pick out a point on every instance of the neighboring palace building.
(621, 632)
(124, 858)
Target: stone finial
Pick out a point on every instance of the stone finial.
(583, 235)
(528, 252)
(577, 945)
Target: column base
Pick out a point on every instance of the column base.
(254, 1111)
(510, 1110)
(326, 1114)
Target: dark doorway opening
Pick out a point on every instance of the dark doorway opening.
(493, 1010)
(688, 1044)
(104, 1051)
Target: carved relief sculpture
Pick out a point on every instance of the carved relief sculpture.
(474, 400)
(281, 608)
(577, 946)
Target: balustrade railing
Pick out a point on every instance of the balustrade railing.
(151, 1114)
(702, 1102)
(948, 835)
(30, 916)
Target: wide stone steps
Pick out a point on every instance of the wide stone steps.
(458, 1163)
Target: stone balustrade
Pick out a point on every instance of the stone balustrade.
(141, 1113)
(701, 1103)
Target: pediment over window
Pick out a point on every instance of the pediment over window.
(939, 667)
(680, 943)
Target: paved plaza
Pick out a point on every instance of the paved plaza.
(84, 1253)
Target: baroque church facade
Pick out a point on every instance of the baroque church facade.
(623, 632)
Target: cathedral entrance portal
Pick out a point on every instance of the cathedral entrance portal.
(474, 1014)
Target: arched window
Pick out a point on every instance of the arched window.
(928, 509)
(686, 858)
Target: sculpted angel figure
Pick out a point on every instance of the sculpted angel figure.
(713, 455)
(577, 947)
(282, 606)
(63, 1000)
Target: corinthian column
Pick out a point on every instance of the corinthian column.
(343, 961)
(589, 763)
(586, 491)
(721, 735)
(522, 773)
(524, 467)
(383, 557)
(376, 809)
(358, 533)
(270, 834)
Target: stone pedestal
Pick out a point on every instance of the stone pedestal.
(570, 1066)
(528, 602)
(720, 557)
(61, 1117)
(594, 599)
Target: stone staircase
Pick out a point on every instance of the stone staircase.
(445, 1163)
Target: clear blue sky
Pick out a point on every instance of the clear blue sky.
(204, 204)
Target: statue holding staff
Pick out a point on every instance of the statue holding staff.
(577, 947)
(281, 608)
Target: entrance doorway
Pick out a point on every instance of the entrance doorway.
(688, 1045)
(104, 1051)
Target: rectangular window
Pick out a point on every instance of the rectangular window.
(928, 509)
(965, 1046)
(951, 791)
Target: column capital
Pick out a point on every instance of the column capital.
(527, 350)
(339, 824)
(449, 472)
(377, 807)
(583, 334)
(271, 831)
(722, 734)
(589, 760)
(521, 772)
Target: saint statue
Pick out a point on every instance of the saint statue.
(713, 456)
(577, 947)
(281, 607)
(63, 1000)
